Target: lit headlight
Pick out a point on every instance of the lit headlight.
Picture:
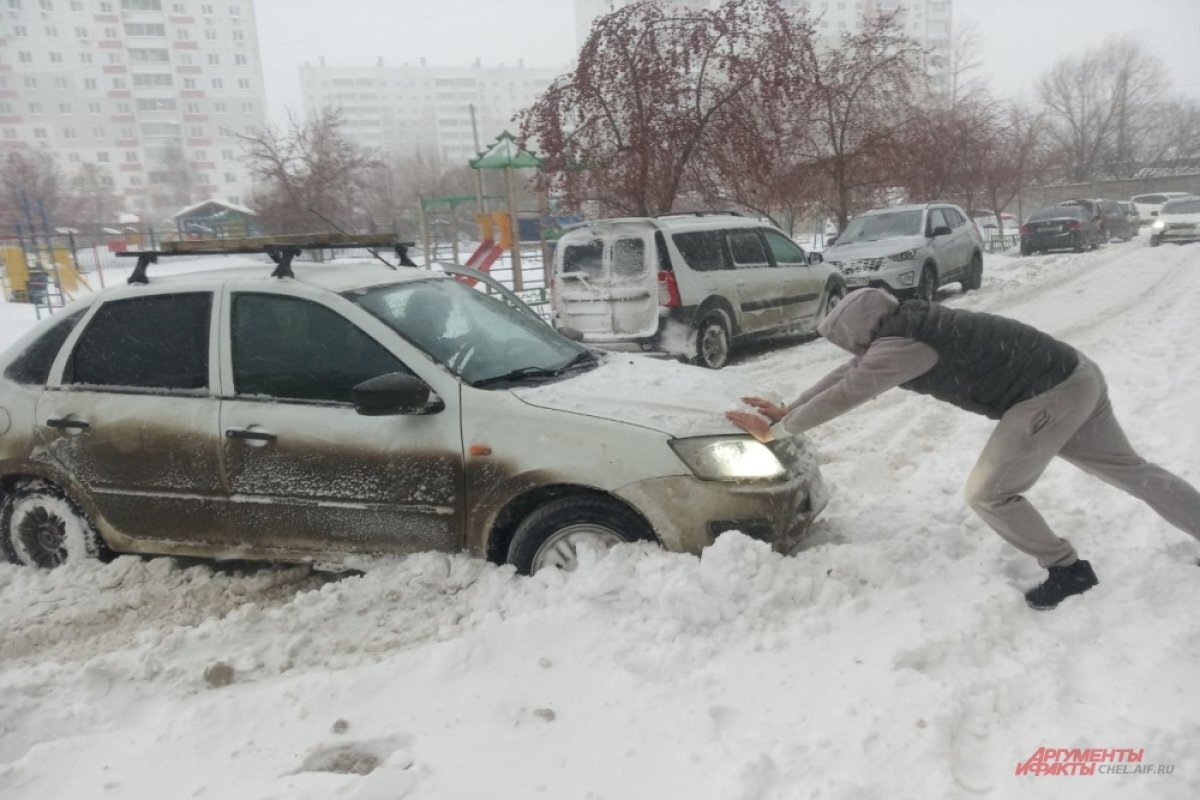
(1158, 225)
(907, 255)
(728, 458)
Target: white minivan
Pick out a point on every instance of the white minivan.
(688, 285)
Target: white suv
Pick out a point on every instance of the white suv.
(357, 409)
(687, 284)
(909, 250)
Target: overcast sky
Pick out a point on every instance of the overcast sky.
(1019, 39)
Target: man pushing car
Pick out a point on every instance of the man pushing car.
(1050, 400)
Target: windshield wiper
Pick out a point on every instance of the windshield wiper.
(537, 372)
(518, 374)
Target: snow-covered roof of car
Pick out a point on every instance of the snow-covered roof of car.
(674, 222)
(908, 207)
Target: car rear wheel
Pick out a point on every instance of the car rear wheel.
(552, 535)
(712, 342)
(834, 294)
(40, 526)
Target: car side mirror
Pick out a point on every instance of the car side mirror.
(1154, 213)
(815, 258)
(830, 241)
(942, 230)
(395, 393)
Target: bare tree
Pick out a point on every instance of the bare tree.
(307, 166)
(94, 201)
(30, 180)
(1104, 105)
(863, 94)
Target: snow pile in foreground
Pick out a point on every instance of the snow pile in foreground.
(894, 657)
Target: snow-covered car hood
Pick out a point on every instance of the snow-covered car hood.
(878, 249)
(677, 399)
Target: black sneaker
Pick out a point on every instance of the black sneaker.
(1062, 583)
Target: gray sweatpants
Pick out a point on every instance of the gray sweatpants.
(1073, 420)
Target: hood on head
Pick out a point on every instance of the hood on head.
(853, 322)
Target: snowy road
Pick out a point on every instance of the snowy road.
(893, 658)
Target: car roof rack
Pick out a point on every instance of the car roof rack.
(280, 249)
(708, 213)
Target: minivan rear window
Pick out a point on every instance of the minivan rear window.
(587, 258)
(701, 250)
(629, 257)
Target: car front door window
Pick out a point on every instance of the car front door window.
(289, 348)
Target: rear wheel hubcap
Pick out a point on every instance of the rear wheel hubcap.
(44, 537)
(561, 549)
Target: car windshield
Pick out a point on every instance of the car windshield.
(1190, 205)
(476, 337)
(888, 225)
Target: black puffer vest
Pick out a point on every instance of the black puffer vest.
(986, 364)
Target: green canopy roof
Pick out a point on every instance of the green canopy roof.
(505, 153)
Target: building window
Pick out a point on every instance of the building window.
(85, 58)
(64, 108)
(153, 79)
(247, 108)
(102, 156)
(200, 155)
(39, 133)
(35, 108)
(20, 30)
(217, 83)
(243, 83)
(10, 133)
(98, 133)
(230, 177)
(238, 36)
(25, 57)
(193, 108)
(46, 5)
(182, 33)
(219, 108)
(52, 31)
(143, 55)
(68, 133)
(118, 83)
(240, 59)
(131, 156)
(209, 33)
(141, 5)
(185, 59)
(213, 58)
(235, 11)
(30, 83)
(89, 83)
(81, 33)
(93, 108)
(56, 58)
(76, 5)
(61, 83)
(207, 10)
(189, 83)
(145, 29)
(197, 132)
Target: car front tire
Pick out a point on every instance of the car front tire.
(41, 526)
(974, 277)
(927, 286)
(551, 535)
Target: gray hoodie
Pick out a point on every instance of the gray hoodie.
(878, 365)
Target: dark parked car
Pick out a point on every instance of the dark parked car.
(1109, 218)
(1063, 227)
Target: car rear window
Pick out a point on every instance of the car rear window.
(33, 365)
(586, 258)
(629, 257)
(1057, 212)
(701, 250)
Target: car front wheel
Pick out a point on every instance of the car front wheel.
(40, 526)
(974, 277)
(552, 535)
(712, 342)
(927, 286)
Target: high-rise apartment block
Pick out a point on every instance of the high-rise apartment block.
(926, 21)
(154, 91)
(402, 110)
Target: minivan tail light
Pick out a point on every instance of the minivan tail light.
(668, 290)
(1026, 229)
(1073, 225)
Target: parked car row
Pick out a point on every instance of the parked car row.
(1086, 223)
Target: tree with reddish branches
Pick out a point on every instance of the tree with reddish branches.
(655, 92)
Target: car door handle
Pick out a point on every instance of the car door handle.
(253, 436)
(66, 423)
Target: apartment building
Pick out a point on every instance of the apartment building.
(153, 91)
(401, 110)
(926, 21)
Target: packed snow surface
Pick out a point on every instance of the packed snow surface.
(893, 657)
